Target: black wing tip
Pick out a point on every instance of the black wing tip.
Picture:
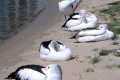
(63, 26)
(73, 37)
(73, 14)
(11, 75)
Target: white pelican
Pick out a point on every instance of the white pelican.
(75, 19)
(36, 72)
(54, 51)
(101, 33)
(66, 7)
(87, 20)
(93, 32)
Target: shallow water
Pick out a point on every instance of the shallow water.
(14, 14)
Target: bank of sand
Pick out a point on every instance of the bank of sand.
(24, 47)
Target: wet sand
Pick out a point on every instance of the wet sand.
(24, 47)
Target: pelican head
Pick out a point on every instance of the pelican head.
(82, 12)
(103, 27)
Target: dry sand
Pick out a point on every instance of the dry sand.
(24, 47)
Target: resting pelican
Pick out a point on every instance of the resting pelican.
(54, 51)
(87, 20)
(37, 72)
(74, 19)
(100, 33)
(92, 31)
(66, 7)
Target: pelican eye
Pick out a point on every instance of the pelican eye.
(100, 26)
(48, 67)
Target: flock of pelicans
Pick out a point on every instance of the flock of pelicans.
(84, 22)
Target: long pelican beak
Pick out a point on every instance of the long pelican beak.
(77, 4)
(88, 13)
(44, 69)
(100, 18)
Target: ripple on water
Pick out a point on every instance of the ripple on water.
(14, 14)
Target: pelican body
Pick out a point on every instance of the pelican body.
(37, 72)
(86, 20)
(93, 32)
(102, 33)
(54, 51)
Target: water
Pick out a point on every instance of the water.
(14, 14)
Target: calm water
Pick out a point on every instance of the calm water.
(14, 14)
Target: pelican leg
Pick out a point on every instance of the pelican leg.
(79, 1)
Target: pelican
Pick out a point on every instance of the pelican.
(100, 33)
(66, 7)
(87, 20)
(37, 72)
(93, 32)
(53, 50)
(75, 19)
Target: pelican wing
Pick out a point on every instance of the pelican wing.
(91, 32)
(54, 45)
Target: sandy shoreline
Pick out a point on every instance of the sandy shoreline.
(37, 26)
(12, 49)
(24, 47)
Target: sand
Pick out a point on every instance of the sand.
(24, 47)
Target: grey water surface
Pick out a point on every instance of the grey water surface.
(15, 14)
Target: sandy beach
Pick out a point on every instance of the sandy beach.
(23, 48)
